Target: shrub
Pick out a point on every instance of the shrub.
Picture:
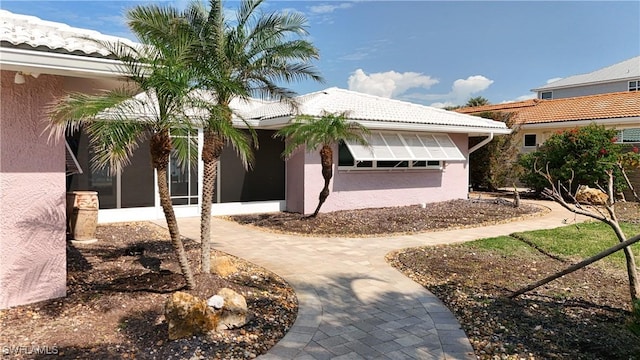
(495, 165)
(583, 154)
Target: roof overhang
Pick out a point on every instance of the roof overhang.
(280, 122)
(45, 62)
(550, 87)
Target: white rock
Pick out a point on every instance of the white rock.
(216, 302)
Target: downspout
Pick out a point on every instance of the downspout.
(481, 143)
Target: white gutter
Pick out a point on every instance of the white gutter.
(481, 143)
(279, 122)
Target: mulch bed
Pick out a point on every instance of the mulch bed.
(114, 309)
(394, 220)
(580, 316)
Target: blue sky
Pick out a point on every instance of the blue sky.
(428, 52)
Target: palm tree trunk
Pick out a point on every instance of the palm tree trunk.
(160, 151)
(211, 150)
(326, 159)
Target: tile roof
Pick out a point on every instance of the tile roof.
(628, 69)
(30, 32)
(364, 107)
(593, 107)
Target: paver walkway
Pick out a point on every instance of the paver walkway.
(352, 304)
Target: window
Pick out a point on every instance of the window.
(183, 177)
(629, 136)
(530, 140)
(399, 151)
(347, 162)
(547, 95)
(634, 85)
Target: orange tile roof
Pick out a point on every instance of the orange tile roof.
(593, 107)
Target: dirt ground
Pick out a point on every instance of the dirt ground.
(114, 309)
(395, 220)
(580, 316)
(117, 288)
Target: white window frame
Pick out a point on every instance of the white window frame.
(620, 137)
(524, 141)
(634, 85)
(546, 92)
(429, 165)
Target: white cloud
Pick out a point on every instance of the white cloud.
(392, 84)
(553, 80)
(388, 84)
(442, 105)
(463, 88)
(525, 97)
(329, 8)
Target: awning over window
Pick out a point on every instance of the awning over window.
(395, 146)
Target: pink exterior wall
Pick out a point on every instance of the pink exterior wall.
(32, 194)
(294, 187)
(368, 189)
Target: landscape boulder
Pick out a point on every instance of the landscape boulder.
(189, 315)
(590, 196)
(222, 265)
(234, 312)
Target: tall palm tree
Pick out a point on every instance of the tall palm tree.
(325, 133)
(235, 60)
(149, 106)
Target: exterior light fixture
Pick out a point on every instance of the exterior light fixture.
(19, 78)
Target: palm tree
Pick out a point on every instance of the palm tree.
(149, 106)
(477, 101)
(235, 60)
(325, 133)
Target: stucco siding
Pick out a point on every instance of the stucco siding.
(380, 188)
(295, 186)
(32, 193)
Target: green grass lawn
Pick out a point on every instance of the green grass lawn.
(569, 242)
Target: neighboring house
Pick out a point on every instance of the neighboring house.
(419, 154)
(623, 76)
(538, 119)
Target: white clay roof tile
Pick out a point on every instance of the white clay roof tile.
(31, 32)
(359, 106)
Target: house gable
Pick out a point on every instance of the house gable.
(614, 78)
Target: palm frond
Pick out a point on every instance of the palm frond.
(242, 142)
(316, 132)
(113, 142)
(185, 145)
(69, 113)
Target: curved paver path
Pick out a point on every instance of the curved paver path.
(352, 304)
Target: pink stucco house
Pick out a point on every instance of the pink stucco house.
(419, 154)
(39, 61)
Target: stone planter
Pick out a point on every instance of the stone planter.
(82, 215)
